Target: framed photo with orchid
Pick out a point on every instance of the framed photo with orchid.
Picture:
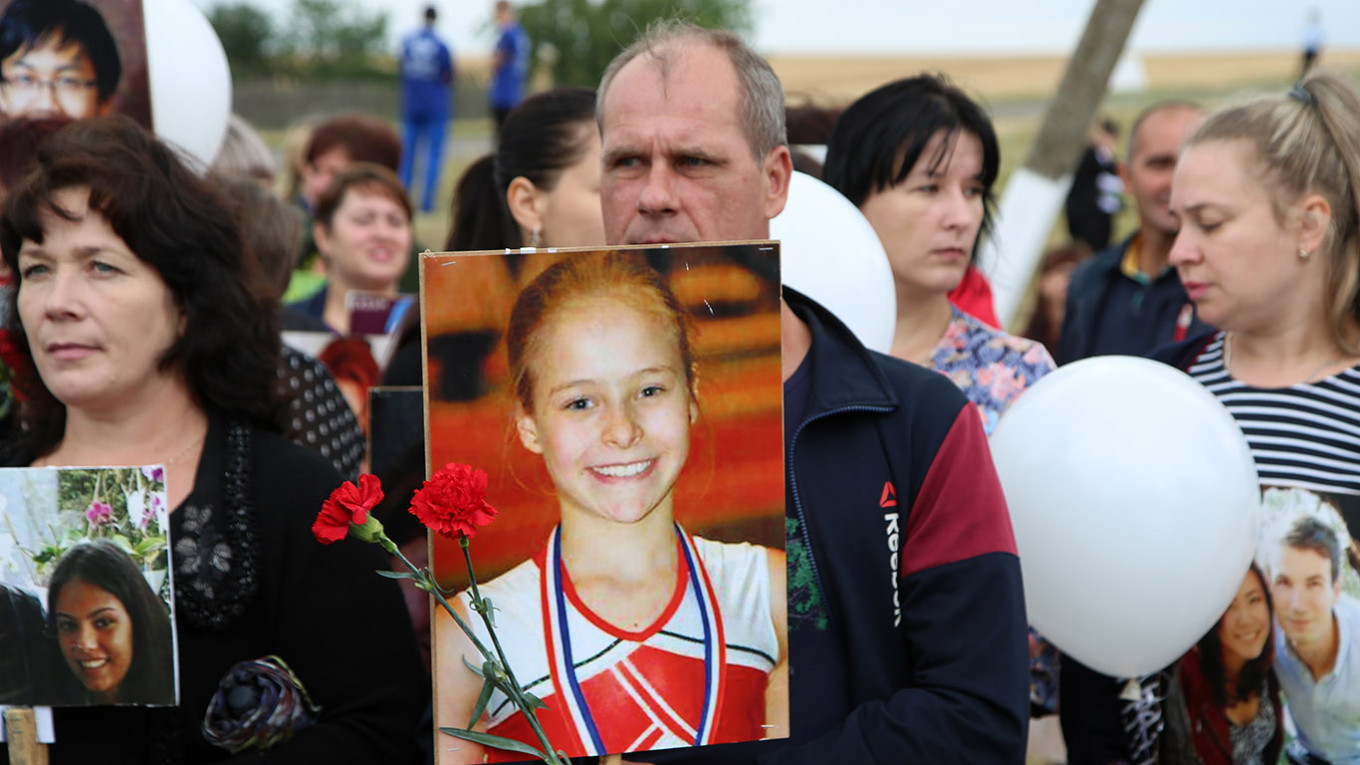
(86, 594)
(625, 405)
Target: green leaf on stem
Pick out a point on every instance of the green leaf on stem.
(490, 612)
(533, 701)
(398, 575)
(487, 688)
(476, 669)
(500, 742)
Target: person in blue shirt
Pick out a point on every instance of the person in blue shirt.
(426, 82)
(510, 64)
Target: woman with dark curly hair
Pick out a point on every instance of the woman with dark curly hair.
(154, 341)
(113, 630)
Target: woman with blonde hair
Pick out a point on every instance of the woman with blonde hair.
(1267, 194)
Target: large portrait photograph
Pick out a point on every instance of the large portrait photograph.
(626, 406)
(71, 59)
(86, 606)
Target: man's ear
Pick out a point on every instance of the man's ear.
(778, 172)
(527, 430)
(522, 199)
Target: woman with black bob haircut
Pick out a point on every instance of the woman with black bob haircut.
(97, 603)
(154, 342)
(919, 158)
(881, 137)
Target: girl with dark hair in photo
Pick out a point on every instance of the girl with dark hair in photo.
(1223, 707)
(618, 615)
(114, 632)
(156, 341)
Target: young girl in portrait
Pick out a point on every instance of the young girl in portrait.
(636, 634)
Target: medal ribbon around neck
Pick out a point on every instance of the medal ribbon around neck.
(563, 668)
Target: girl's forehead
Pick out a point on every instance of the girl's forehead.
(601, 311)
(618, 302)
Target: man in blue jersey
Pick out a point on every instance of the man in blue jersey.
(426, 84)
(906, 618)
(509, 64)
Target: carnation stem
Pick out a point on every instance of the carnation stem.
(520, 701)
(432, 587)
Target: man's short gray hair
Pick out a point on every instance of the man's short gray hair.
(761, 104)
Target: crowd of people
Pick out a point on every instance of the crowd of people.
(157, 314)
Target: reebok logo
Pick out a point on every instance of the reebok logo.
(889, 499)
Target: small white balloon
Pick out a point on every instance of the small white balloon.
(1135, 503)
(830, 253)
(189, 78)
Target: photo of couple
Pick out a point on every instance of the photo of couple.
(1287, 648)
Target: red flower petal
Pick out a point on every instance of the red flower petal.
(347, 504)
(453, 502)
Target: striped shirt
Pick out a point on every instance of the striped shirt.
(1305, 436)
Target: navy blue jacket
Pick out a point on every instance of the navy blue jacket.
(1109, 313)
(912, 544)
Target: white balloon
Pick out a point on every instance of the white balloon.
(1135, 503)
(189, 78)
(830, 253)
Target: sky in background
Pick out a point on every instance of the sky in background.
(907, 27)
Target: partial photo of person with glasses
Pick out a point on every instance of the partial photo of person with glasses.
(57, 58)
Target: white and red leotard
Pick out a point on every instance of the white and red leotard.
(664, 686)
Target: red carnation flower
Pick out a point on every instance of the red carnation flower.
(347, 504)
(453, 502)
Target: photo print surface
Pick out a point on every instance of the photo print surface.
(86, 596)
(626, 405)
(72, 59)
